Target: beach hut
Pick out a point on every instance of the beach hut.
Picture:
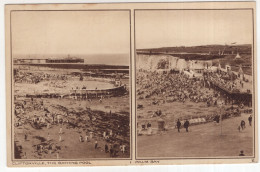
(238, 56)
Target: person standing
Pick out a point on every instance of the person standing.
(186, 125)
(60, 132)
(123, 148)
(243, 124)
(217, 118)
(50, 149)
(48, 137)
(53, 118)
(60, 139)
(239, 128)
(111, 150)
(41, 148)
(106, 148)
(48, 125)
(25, 156)
(80, 138)
(250, 120)
(104, 135)
(96, 144)
(178, 125)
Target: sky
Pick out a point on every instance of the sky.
(168, 28)
(70, 32)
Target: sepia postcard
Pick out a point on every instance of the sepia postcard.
(131, 84)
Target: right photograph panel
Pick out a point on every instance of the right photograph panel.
(195, 88)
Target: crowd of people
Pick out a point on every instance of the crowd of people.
(179, 87)
(171, 87)
(174, 87)
(224, 80)
(90, 125)
(21, 76)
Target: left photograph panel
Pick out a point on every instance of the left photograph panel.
(70, 84)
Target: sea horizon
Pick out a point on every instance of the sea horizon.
(99, 59)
